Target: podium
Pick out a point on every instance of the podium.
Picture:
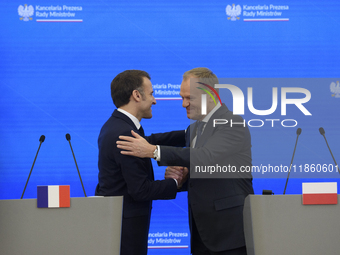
(91, 225)
(282, 225)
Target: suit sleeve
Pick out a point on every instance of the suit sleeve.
(174, 138)
(138, 175)
(225, 142)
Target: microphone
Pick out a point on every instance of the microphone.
(298, 132)
(41, 140)
(322, 132)
(68, 138)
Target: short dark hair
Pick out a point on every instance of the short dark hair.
(126, 82)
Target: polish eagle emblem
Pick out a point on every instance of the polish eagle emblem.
(25, 12)
(233, 11)
(335, 89)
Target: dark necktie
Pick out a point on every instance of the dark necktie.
(141, 131)
(151, 175)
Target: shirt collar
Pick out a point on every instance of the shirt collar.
(208, 116)
(132, 118)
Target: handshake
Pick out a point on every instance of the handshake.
(179, 173)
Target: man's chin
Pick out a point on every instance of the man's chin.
(193, 116)
(189, 115)
(149, 116)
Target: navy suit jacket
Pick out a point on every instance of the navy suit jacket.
(130, 176)
(216, 204)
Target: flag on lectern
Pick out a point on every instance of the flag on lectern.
(53, 196)
(319, 193)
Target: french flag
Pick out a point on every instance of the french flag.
(53, 196)
(319, 193)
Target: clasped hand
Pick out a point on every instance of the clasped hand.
(179, 173)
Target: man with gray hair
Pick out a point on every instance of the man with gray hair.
(215, 201)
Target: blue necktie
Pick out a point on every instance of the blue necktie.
(200, 126)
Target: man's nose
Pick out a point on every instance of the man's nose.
(185, 103)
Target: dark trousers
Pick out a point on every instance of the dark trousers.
(134, 240)
(198, 247)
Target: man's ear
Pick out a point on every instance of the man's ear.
(136, 95)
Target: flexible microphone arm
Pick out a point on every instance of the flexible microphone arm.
(322, 132)
(298, 132)
(41, 140)
(68, 138)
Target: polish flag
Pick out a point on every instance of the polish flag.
(53, 196)
(319, 193)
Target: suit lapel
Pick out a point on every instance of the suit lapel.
(209, 128)
(190, 134)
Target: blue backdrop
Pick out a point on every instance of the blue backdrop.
(56, 69)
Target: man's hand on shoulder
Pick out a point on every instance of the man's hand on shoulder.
(135, 146)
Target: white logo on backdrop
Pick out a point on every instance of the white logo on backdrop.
(25, 12)
(233, 11)
(335, 89)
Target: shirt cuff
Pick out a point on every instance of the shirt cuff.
(176, 182)
(158, 156)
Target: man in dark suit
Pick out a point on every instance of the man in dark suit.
(215, 199)
(130, 176)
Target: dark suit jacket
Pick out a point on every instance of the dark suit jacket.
(217, 204)
(133, 178)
